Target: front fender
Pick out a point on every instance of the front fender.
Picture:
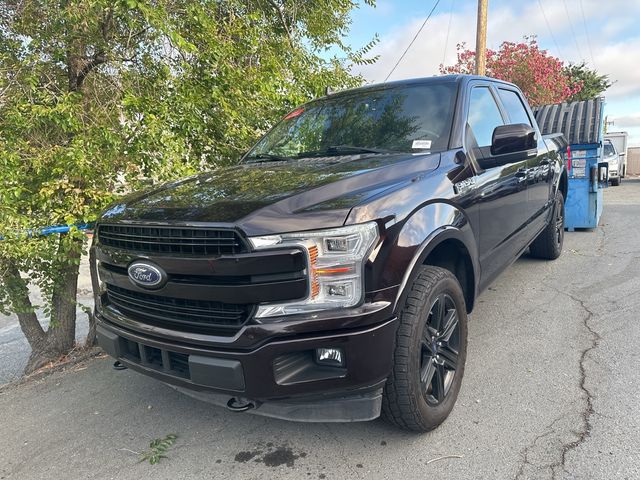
(413, 240)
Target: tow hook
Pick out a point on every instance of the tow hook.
(118, 365)
(236, 404)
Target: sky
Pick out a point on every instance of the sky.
(603, 33)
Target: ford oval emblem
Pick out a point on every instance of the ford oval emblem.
(146, 275)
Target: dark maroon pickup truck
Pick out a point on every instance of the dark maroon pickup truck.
(329, 274)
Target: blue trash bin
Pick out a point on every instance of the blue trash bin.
(582, 124)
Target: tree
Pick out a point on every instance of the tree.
(98, 96)
(593, 84)
(542, 78)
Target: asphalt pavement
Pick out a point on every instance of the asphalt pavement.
(551, 390)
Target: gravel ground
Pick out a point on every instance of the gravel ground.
(551, 391)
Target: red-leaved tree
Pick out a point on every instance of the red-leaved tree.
(541, 77)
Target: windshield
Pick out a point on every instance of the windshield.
(397, 119)
(609, 151)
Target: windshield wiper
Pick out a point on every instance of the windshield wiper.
(351, 148)
(339, 149)
(266, 157)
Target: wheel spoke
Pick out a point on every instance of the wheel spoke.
(427, 336)
(438, 383)
(449, 356)
(449, 325)
(427, 372)
(437, 313)
(427, 349)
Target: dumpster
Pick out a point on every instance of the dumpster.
(582, 124)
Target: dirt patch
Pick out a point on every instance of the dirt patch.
(271, 455)
(244, 457)
(74, 361)
(280, 456)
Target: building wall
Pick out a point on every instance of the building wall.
(633, 161)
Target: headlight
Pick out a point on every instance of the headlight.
(335, 257)
(97, 284)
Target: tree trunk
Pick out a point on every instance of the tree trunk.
(21, 303)
(61, 335)
(59, 338)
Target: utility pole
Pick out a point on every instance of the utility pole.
(481, 38)
(607, 123)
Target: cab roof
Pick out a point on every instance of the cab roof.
(434, 80)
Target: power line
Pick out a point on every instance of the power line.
(549, 27)
(573, 33)
(586, 32)
(413, 40)
(446, 42)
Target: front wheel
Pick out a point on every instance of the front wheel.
(548, 245)
(430, 353)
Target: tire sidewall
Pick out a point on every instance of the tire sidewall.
(559, 202)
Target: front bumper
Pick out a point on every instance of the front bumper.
(279, 377)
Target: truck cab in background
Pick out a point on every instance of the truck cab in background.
(610, 155)
(619, 142)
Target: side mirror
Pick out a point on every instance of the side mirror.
(518, 137)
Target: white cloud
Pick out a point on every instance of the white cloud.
(619, 58)
(626, 121)
(615, 58)
(426, 53)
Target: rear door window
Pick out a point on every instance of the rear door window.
(513, 105)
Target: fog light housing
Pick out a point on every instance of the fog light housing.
(331, 357)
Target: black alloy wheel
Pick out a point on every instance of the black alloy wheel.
(548, 244)
(440, 346)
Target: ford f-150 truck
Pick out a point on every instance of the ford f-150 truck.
(329, 274)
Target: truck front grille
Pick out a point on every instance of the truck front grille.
(171, 240)
(198, 316)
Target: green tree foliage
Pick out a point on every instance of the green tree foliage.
(97, 96)
(593, 84)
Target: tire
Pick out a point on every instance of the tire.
(615, 182)
(431, 341)
(548, 245)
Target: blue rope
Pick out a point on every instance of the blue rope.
(53, 230)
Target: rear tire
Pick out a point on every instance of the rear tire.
(430, 353)
(615, 182)
(548, 245)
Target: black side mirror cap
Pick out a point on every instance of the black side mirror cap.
(517, 137)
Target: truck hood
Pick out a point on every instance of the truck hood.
(316, 192)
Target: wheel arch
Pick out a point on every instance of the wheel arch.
(563, 183)
(450, 245)
(453, 255)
